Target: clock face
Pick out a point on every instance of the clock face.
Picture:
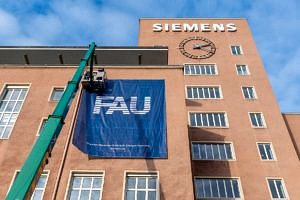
(197, 47)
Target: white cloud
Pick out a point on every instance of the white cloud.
(275, 26)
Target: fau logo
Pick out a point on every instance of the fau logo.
(118, 104)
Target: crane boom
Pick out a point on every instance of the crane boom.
(25, 182)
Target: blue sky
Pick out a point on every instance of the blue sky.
(275, 25)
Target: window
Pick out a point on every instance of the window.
(265, 151)
(203, 92)
(236, 50)
(249, 92)
(242, 70)
(208, 120)
(212, 151)
(217, 188)
(86, 186)
(57, 94)
(40, 187)
(141, 186)
(257, 120)
(44, 121)
(11, 102)
(203, 69)
(276, 187)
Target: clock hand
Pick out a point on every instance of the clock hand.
(199, 46)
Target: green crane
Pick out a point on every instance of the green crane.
(25, 182)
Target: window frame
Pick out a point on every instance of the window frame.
(254, 92)
(283, 185)
(15, 86)
(219, 177)
(215, 65)
(15, 175)
(204, 86)
(100, 173)
(50, 98)
(216, 142)
(210, 127)
(135, 173)
(263, 119)
(247, 70)
(272, 149)
(44, 119)
(236, 45)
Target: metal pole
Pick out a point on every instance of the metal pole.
(26, 180)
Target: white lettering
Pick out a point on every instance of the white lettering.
(190, 28)
(157, 27)
(218, 27)
(231, 27)
(133, 104)
(118, 104)
(176, 27)
(205, 27)
(167, 27)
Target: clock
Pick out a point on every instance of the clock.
(197, 47)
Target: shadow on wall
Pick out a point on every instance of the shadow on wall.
(207, 168)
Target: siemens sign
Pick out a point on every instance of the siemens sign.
(127, 120)
(185, 27)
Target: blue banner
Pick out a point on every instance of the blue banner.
(127, 120)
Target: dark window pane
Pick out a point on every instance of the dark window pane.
(236, 188)
(273, 188)
(269, 151)
(215, 151)
(222, 151)
(217, 93)
(187, 70)
(141, 183)
(199, 188)
(95, 195)
(210, 119)
(209, 151)
(213, 70)
(228, 188)
(253, 119)
(152, 183)
(192, 70)
(130, 195)
(201, 93)
(195, 151)
(206, 94)
(280, 188)
(221, 188)
(151, 195)
(211, 93)
(195, 92)
(189, 92)
(199, 123)
(141, 195)
(217, 120)
(228, 151)
(202, 151)
(198, 70)
(192, 119)
(74, 194)
(206, 183)
(214, 188)
(222, 116)
(262, 152)
(130, 182)
(204, 119)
